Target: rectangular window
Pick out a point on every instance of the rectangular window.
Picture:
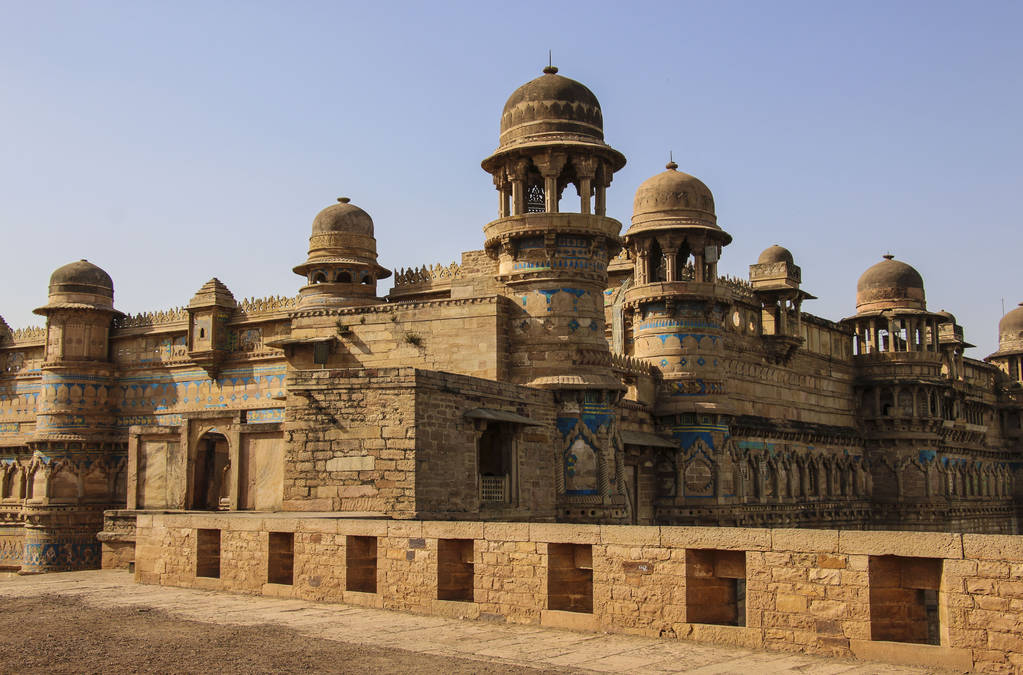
(570, 577)
(207, 553)
(455, 569)
(904, 599)
(716, 587)
(281, 558)
(361, 564)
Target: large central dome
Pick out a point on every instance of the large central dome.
(551, 106)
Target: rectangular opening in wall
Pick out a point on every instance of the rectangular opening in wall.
(207, 553)
(904, 599)
(281, 558)
(716, 587)
(361, 564)
(570, 577)
(455, 569)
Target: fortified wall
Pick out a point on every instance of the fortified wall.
(945, 600)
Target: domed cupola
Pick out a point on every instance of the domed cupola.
(79, 285)
(342, 266)
(891, 313)
(674, 234)
(890, 284)
(1009, 356)
(673, 199)
(552, 136)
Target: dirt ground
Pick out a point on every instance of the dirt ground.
(55, 634)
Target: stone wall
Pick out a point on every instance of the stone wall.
(467, 336)
(816, 591)
(352, 441)
(446, 448)
(398, 442)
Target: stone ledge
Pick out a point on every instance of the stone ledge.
(906, 653)
(909, 544)
(553, 618)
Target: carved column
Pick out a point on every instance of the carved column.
(585, 169)
(550, 166)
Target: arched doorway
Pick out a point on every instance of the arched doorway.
(210, 485)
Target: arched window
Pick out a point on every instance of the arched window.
(368, 279)
(343, 277)
(318, 277)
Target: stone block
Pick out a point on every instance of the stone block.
(804, 540)
(630, 535)
(506, 531)
(359, 527)
(557, 533)
(437, 529)
(908, 544)
(728, 538)
(1004, 547)
(362, 463)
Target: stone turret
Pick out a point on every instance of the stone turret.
(77, 469)
(675, 304)
(775, 279)
(552, 261)
(208, 314)
(342, 269)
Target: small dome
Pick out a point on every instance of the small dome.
(673, 199)
(775, 254)
(949, 316)
(343, 217)
(82, 273)
(1010, 330)
(551, 105)
(890, 284)
(79, 285)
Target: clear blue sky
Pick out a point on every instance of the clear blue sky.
(171, 142)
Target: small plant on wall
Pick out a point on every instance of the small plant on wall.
(414, 339)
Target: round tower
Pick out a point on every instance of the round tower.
(77, 470)
(552, 252)
(677, 307)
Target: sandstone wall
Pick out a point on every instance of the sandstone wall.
(352, 441)
(804, 590)
(446, 447)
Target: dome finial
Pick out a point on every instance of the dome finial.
(344, 200)
(888, 256)
(671, 165)
(551, 69)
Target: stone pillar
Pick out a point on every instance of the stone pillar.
(585, 169)
(550, 166)
(670, 273)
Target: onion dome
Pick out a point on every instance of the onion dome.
(1010, 331)
(79, 285)
(553, 110)
(775, 254)
(674, 199)
(890, 284)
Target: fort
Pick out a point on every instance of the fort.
(573, 425)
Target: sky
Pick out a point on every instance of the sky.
(172, 142)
